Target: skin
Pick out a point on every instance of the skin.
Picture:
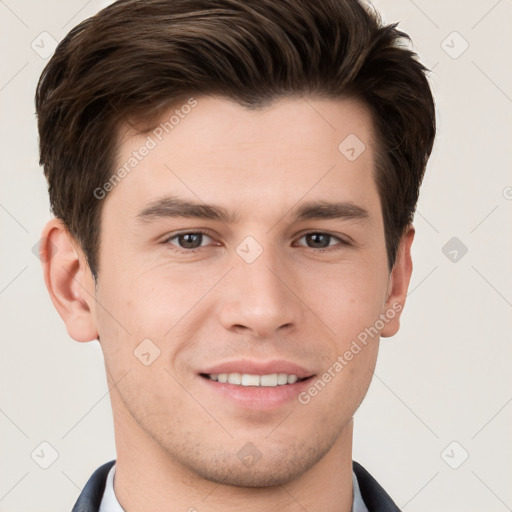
(177, 441)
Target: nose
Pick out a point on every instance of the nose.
(258, 299)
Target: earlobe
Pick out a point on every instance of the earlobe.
(68, 280)
(398, 285)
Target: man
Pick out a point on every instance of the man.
(233, 183)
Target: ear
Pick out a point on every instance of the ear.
(398, 285)
(69, 280)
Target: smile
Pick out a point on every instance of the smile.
(247, 379)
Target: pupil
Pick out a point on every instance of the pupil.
(190, 240)
(318, 240)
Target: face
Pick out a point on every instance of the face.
(241, 261)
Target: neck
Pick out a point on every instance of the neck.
(148, 478)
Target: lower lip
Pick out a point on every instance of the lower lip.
(258, 397)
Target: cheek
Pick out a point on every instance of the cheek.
(143, 304)
(347, 299)
(123, 320)
(147, 317)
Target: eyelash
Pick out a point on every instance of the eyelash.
(341, 242)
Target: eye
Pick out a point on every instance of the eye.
(190, 240)
(319, 240)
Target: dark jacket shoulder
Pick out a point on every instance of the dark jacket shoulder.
(374, 496)
(90, 497)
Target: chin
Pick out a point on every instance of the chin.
(267, 468)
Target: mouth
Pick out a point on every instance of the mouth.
(270, 380)
(253, 385)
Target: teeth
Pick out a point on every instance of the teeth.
(268, 380)
(245, 379)
(282, 378)
(235, 378)
(250, 380)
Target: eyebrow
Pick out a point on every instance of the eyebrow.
(175, 207)
(328, 210)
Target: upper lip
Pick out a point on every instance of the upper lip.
(258, 368)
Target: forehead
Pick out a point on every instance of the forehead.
(215, 150)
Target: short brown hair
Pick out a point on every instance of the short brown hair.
(137, 56)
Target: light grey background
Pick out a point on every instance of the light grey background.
(444, 378)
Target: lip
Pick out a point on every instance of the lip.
(259, 368)
(256, 398)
